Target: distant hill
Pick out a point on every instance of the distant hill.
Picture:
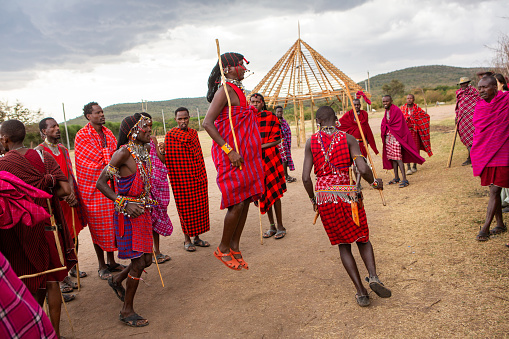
(427, 77)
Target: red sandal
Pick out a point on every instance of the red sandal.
(241, 260)
(232, 263)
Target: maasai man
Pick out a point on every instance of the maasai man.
(285, 147)
(186, 170)
(50, 131)
(22, 317)
(331, 152)
(239, 175)
(504, 195)
(32, 250)
(275, 183)
(466, 99)
(161, 222)
(399, 147)
(131, 168)
(348, 124)
(490, 150)
(93, 148)
(417, 121)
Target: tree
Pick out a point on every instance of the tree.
(501, 58)
(394, 88)
(19, 112)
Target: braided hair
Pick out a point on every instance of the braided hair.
(125, 127)
(227, 59)
(258, 95)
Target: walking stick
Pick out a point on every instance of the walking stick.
(75, 250)
(41, 273)
(223, 81)
(365, 144)
(66, 311)
(452, 147)
(55, 233)
(316, 217)
(260, 215)
(157, 264)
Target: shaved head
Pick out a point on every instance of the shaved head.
(326, 114)
(14, 130)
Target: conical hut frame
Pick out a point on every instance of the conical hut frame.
(304, 75)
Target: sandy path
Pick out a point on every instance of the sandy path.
(444, 284)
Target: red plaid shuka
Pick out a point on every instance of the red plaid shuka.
(466, 99)
(188, 178)
(92, 154)
(418, 124)
(133, 235)
(32, 249)
(237, 185)
(64, 161)
(336, 214)
(275, 182)
(21, 316)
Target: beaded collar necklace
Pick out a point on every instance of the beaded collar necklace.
(327, 154)
(53, 147)
(142, 159)
(237, 83)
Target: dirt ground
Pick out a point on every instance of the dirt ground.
(444, 283)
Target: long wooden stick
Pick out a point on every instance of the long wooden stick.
(42, 273)
(452, 146)
(157, 264)
(75, 250)
(223, 80)
(365, 143)
(66, 311)
(316, 217)
(260, 214)
(55, 233)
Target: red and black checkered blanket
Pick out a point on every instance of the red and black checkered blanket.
(418, 120)
(466, 99)
(188, 178)
(275, 183)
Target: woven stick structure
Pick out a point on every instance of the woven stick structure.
(301, 76)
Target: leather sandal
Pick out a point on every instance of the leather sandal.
(232, 263)
(241, 260)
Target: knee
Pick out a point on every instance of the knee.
(148, 260)
(137, 266)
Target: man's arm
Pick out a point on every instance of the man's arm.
(306, 172)
(215, 108)
(271, 144)
(361, 163)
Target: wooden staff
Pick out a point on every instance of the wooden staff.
(55, 233)
(365, 143)
(66, 311)
(316, 217)
(75, 250)
(223, 81)
(452, 146)
(260, 214)
(42, 273)
(157, 264)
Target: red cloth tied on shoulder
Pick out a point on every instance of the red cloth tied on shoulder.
(361, 94)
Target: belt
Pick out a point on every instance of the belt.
(52, 228)
(359, 140)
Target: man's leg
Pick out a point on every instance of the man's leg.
(285, 166)
(401, 166)
(231, 221)
(468, 161)
(279, 218)
(345, 252)
(54, 304)
(111, 259)
(494, 210)
(366, 251)
(155, 236)
(135, 270)
(395, 168)
(235, 240)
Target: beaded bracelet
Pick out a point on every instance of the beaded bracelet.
(375, 184)
(356, 156)
(226, 148)
(313, 200)
(112, 172)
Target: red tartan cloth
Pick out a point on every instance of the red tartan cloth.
(29, 249)
(237, 185)
(397, 126)
(91, 158)
(16, 202)
(64, 161)
(21, 316)
(275, 182)
(186, 171)
(466, 100)
(393, 147)
(490, 147)
(348, 124)
(418, 123)
(133, 235)
(336, 216)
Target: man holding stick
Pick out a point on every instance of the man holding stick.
(239, 171)
(46, 245)
(331, 152)
(76, 220)
(466, 99)
(490, 150)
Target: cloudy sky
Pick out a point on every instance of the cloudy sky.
(117, 51)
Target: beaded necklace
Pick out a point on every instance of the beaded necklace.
(237, 83)
(327, 154)
(144, 165)
(53, 147)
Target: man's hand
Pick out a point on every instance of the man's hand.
(315, 207)
(235, 159)
(161, 147)
(134, 210)
(380, 184)
(71, 200)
